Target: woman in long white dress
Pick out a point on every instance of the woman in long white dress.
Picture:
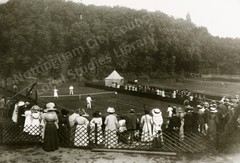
(146, 123)
(35, 120)
(96, 121)
(81, 134)
(111, 127)
(28, 121)
(157, 121)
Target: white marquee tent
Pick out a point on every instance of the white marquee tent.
(114, 77)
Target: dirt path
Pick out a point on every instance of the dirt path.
(66, 155)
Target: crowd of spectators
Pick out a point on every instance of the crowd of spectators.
(61, 127)
(194, 98)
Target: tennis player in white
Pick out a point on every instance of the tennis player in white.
(89, 101)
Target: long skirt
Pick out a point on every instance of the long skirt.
(35, 127)
(27, 124)
(98, 137)
(81, 136)
(111, 138)
(50, 141)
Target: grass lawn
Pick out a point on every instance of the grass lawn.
(199, 85)
(122, 103)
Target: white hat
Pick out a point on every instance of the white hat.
(20, 103)
(51, 109)
(50, 105)
(213, 110)
(110, 110)
(35, 107)
(156, 111)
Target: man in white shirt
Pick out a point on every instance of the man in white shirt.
(89, 101)
(71, 90)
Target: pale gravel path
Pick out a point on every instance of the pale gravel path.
(67, 155)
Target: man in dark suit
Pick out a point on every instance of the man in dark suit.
(131, 123)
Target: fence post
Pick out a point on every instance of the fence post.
(95, 133)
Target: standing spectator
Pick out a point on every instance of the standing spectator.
(201, 119)
(15, 89)
(81, 134)
(2, 106)
(8, 106)
(174, 127)
(163, 93)
(50, 140)
(71, 90)
(157, 121)
(96, 127)
(181, 116)
(72, 118)
(146, 123)
(35, 120)
(89, 102)
(169, 111)
(131, 123)
(64, 128)
(28, 121)
(111, 127)
(122, 129)
(15, 111)
(195, 118)
(21, 116)
(174, 94)
(223, 114)
(212, 123)
(188, 120)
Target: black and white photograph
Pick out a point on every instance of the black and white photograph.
(119, 81)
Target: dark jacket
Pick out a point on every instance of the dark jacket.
(132, 122)
(174, 123)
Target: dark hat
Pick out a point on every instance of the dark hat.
(80, 112)
(97, 114)
(64, 111)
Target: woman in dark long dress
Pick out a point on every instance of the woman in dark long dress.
(64, 128)
(50, 140)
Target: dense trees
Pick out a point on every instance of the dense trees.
(95, 40)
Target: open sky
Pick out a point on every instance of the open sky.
(221, 17)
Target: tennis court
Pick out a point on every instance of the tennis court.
(101, 101)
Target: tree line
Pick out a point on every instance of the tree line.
(137, 42)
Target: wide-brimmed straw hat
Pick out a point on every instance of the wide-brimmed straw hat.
(157, 111)
(51, 109)
(110, 110)
(20, 103)
(35, 107)
(213, 110)
(50, 105)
